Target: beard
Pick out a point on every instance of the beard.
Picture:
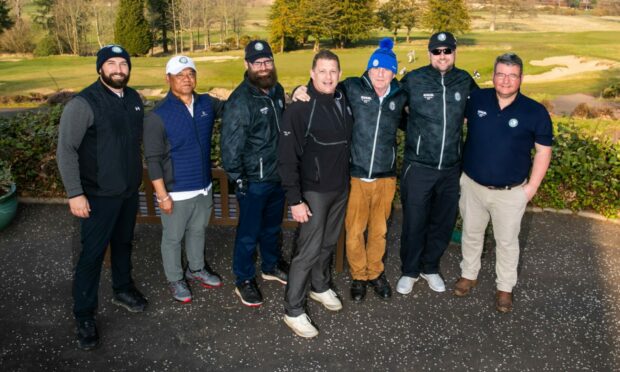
(116, 84)
(263, 82)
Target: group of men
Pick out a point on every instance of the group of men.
(330, 155)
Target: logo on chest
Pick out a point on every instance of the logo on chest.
(482, 114)
(137, 108)
(428, 96)
(365, 99)
(392, 106)
(203, 114)
(264, 110)
(457, 96)
(512, 123)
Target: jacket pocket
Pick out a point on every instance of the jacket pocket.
(317, 175)
(417, 147)
(261, 168)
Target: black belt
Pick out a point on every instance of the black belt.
(507, 187)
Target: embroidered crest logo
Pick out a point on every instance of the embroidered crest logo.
(392, 106)
(117, 49)
(428, 96)
(259, 46)
(286, 132)
(264, 110)
(482, 114)
(365, 99)
(137, 108)
(375, 62)
(457, 96)
(183, 60)
(441, 37)
(512, 123)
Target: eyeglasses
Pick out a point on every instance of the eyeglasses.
(190, 75)
(267, 63)
(437, 52)
(502, 76)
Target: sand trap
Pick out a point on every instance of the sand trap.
(215, 58)
(570, 65)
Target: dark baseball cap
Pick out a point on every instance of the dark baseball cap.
(257, 49)
(442, 39)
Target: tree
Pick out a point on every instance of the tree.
(131, 29)
(447, 15)
(317, 18)
(396, 14)
(355, 20)
(5, 21)
(511, 8)
(159, 19)
(282, 18)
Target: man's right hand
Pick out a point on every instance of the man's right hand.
(79, 206)
(301, 213)
(301, 94)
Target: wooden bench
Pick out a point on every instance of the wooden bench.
(225, 209)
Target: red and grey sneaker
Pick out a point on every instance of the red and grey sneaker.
(204, 277)
(180, 291)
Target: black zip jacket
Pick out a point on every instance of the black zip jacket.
(436, 112)
(314, 145)
(250, 131)
(373, 143)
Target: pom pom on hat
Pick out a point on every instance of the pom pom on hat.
(384, 56)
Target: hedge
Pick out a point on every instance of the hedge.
(584, 172)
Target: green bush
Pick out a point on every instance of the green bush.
(584, 173)
(28, 144)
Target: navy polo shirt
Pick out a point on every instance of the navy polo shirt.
(499, 142)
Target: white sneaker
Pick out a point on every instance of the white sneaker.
(405, 284)
(434, 282)
(301, 325)
(328, 298)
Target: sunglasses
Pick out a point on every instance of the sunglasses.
(437, 52)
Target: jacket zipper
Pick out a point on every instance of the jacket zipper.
(417, 148)
(374, 144)
(443, 139)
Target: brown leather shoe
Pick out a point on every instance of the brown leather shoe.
(463, 286)
(503, 302)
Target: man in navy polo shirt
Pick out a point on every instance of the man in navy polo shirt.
(503, 128)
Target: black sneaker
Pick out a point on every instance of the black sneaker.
(358, 290)
(279, 273)
(132, 300)
(87, 335)
(381, 286)
(249, 293)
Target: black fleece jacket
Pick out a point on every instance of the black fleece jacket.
(314, 147)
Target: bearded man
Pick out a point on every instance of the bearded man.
(249, 144)
(100, 164)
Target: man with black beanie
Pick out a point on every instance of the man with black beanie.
(100, 164)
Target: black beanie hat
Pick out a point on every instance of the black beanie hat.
(257, 49)
(111, 51)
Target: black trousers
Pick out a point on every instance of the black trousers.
(315, 245)
(112, 221)
(430, 203)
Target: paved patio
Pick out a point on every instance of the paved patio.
(566, 314)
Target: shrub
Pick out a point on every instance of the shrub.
(612, 91)
(28, 144)
(47, 46)
(17, 39)
(584, 173)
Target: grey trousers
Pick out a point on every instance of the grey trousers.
(315, 245)
(188, 220)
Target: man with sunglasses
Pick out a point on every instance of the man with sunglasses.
(177, 149)
(429, 185)
(249, 143)
(503, 126)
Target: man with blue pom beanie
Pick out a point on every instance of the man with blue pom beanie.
(377, 102)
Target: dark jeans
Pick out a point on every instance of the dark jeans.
(430, 202)
(261, 208)
(111, 221)
(315, 245)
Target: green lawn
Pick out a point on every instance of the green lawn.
(476, 52)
